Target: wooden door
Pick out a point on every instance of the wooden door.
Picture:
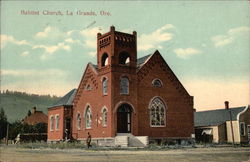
(124, 119)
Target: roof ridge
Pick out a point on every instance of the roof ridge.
(221, 109)
(66, 99)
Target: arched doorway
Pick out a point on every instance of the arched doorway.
(124, 113)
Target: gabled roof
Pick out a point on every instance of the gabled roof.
(142, 60)
(35, 118)
(215, 117)
(66, 100)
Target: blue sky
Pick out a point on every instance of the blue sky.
(206, 43)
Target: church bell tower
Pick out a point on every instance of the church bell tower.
(116, 49)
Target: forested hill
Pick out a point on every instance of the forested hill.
(17, 104)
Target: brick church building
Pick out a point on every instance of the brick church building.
(123, 98)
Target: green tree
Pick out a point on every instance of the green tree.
(3, 124)
(40, 128)
(14, 129)
(29, 113)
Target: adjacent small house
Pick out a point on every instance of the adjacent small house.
(59, 126)
(35, 117)
(215, 125)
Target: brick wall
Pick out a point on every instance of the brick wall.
(56, 134)
(179, 113)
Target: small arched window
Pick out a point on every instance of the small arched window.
(105, 59)
(78, 121)
(157, 113)
(88, 117)
(104, 117)
(105, 86)
(124, 58)
(124, 85)
(51, 123)
(57, 122)
(157, 83)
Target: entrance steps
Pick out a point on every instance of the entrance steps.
(129, 140)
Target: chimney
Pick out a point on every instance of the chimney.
(112, 28)
(33, 110)
(226, 105)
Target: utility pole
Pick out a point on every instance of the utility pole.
(231, 123)
(7, 134)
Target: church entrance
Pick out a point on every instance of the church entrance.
(124, 119)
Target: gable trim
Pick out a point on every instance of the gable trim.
(238, 116)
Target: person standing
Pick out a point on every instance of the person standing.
(88, 141)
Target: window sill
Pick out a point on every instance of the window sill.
(160, 126)
(126, 94)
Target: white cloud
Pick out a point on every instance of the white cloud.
(90, 43)
(184, 53)
(90, 36)
(222, 40)
(45, 33)
(25, 53)
(239, 30)
(152, 40)
(70, 40)
(50, 32)
(92, 53)
(230, 36)
(30, 73)
(54, 48)
(51, 49)
(90, 32)
(10, 39)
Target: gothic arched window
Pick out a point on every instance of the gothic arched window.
(157, 83)
(105, 59)
(78, 121)
(105, 86)
(157, 113)
(124, 85)
(88, 117)
(124, 58)
(104, 117)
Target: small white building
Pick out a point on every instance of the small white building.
(215, 126)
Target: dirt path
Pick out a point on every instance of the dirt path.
(192, 154)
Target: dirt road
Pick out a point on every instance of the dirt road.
(189, 154)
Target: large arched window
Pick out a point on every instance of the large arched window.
(157, 83)
(57, 122)
(51, 122)
(104, 117)
(124, 85)
(104, 86)
(78, 121)
(124, 58)
(105, 59)
(157, 113)
(88, 117)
